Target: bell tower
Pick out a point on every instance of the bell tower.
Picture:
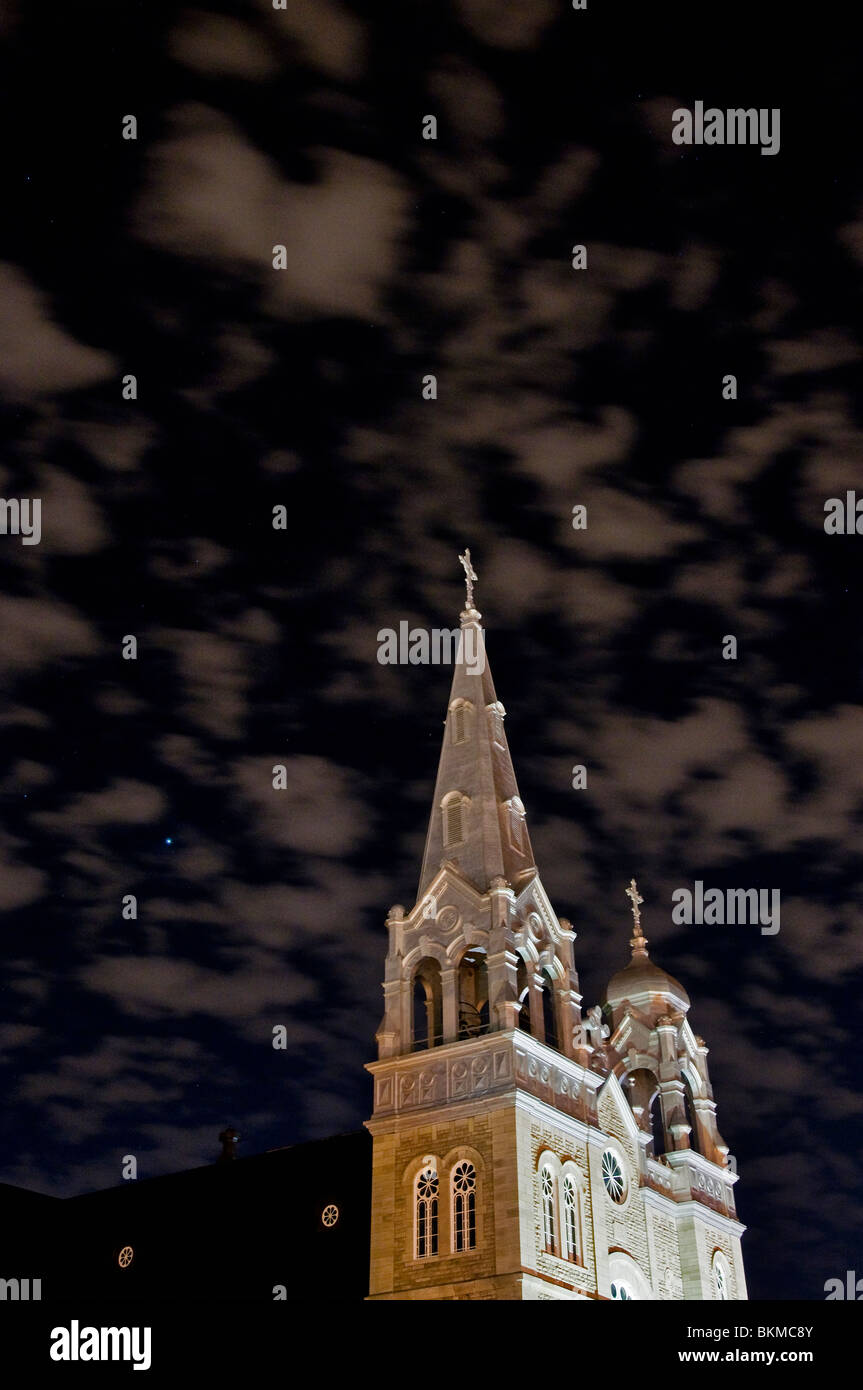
(512, 1137)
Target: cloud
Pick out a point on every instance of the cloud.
(220, 46)
(72, 521)
(329, 36)
(37, 356)
(215, 679)
(19, 883)
(35, 632)
(124, 802)
(212, 196)
(509, 27)
(816, 353)
(621, 526)
(165, 987)
(319, 812)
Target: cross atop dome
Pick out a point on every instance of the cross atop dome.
(638, 941)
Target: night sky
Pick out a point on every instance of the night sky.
(302, 388)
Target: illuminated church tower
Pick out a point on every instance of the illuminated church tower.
(521, 1149)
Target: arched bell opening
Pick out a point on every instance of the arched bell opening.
(657, 1127)
(549, 1013)
(427, 1010)
(642, 1090)
(691, 1116)
(473, 1016)
(522, 990)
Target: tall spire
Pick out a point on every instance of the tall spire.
(477, 819)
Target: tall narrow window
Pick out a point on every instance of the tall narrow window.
(460, 721)
(453, 809)
(426, 1200)
(464, 1207)
(547, 1184)
(570, 1219)
(516, 824)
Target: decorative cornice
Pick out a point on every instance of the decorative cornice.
(470, 1069)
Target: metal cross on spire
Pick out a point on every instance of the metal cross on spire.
(469, 576)
(638, 942)
(635, 898)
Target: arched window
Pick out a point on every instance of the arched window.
(620, 1289)
(426, 1210)
(472, 995)
(571, 1218)
(427, 1006)
(547, 1195)
(721, 1276)
(523, 991)
(548, 1010)
(453, 810)
(627, 1281)
(464, 1207)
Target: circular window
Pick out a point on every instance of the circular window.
(330, 1215)
(612, 1176)
(125, 1257)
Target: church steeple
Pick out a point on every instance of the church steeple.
(477, 820)
(482, 949)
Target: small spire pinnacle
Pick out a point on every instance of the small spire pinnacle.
(469, 576)
(638, 941)
(228, 1139)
